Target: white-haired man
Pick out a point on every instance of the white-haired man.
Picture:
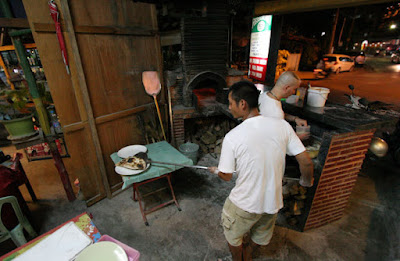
(270, 102)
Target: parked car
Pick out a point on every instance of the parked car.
(395, 57)
(338, 63)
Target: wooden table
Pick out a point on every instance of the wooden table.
(159, 151)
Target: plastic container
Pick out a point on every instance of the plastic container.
(303, 129)
(317, 96)
(190, 150)
(292, 99)
(133, 254)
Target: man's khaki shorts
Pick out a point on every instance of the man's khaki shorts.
(237, 222)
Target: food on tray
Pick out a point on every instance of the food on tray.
(133, 162)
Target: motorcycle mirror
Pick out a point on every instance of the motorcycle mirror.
(351, 87)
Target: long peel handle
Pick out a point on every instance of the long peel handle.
(182, 165)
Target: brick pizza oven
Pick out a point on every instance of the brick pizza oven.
(202, 88)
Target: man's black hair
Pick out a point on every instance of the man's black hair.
(245, 90)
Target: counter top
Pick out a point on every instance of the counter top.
(339, 116)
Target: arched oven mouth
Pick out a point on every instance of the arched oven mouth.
(206, 89)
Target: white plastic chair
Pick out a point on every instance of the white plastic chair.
(17, 233)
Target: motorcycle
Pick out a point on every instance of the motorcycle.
(390, 142)
(320, 72)
(356, 101)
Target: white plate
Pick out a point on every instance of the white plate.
(128, 172)
(131, 150)
(103, 251)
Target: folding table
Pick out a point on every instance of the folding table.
(159, 151)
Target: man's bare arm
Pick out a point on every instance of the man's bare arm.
(222, 175)
(295, 119)
(306, 169)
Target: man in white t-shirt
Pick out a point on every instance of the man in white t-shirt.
(270, 102)
(256, 151)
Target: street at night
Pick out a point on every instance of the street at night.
(378, 80)
(223, 130)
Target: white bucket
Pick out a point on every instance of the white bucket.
(317, 96)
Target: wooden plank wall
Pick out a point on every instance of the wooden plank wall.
(109, 44)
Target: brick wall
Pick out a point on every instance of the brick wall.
(338, 177)
(179, 130)
(179, 116)
(176, 95)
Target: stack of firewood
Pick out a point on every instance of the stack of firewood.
(208, 133)
(149, 125)
(294, 196)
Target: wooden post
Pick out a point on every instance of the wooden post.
(341, 31)
(351, 29)
(276, 31)
(61, 170)
(2, 36)
(6, 73)
(330, 50)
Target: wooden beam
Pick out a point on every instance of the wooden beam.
(299, 6)
(121, 114)
(6, 73)
(11, 47)
(93, 200)
(74, 127)
(171, 38)
(89, 29)
(14, 22)
(3, 31)
(81, 90)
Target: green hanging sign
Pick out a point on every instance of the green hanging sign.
(261, 24)
(259, 46)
